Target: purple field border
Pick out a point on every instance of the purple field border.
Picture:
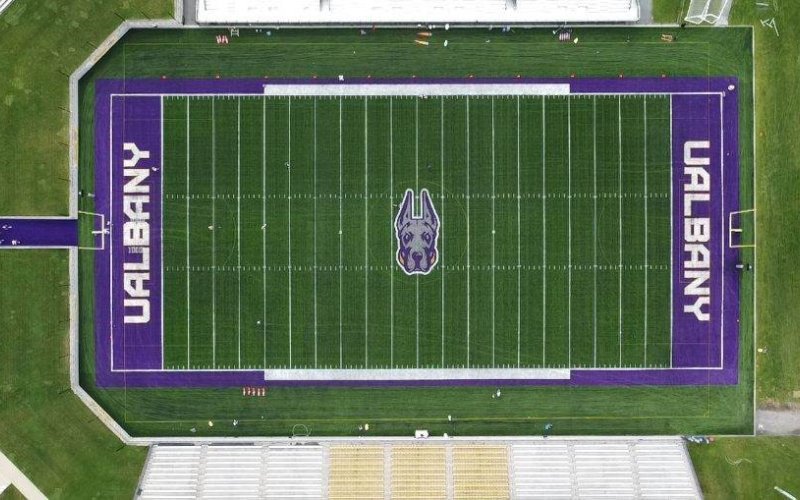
(141, 353)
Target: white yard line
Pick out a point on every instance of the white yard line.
(569, 231)
(213, 235)
(441, 208)
(416, 188)
(340, 234)
(519, 252)
(289, 162)
(594, 225)
(619, 196)
(645, 231)
(239, 224)
(391, 232)
(188, 239)
(264, 223)
(493, 236)
(671, 235)
(544, 232)
(161, 223)
(468, 268)
(316, 335)
(366, 238)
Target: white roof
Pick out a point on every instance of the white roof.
(415, 11)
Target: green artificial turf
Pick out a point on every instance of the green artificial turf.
(515, 284)
(748, 467)
(338, 411)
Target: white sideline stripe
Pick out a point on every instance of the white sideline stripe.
(416, 89)
(373, 374)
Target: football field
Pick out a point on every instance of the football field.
(280, 246)
(413, 231)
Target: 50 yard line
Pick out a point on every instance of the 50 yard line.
(416, 187)
(391, 232)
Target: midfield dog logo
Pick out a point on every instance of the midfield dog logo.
(417, 236)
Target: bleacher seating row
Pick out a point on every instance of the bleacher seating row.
(424, 470)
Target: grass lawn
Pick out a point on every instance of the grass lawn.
(777, 195)
(11, 493)
(42, 43)
(46, 430)
(748, 467)
(669, 11)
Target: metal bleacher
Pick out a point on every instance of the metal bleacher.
(429, 468)
(414, 11)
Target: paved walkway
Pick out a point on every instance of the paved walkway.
(778, 422)
(38, 233)
(11, 474)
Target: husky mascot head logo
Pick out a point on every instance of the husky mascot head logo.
(417, 236)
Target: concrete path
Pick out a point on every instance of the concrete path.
(10, 473)
(645, 12)
(778, 422)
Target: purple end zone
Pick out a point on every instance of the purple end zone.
(38, 232)
(705, 349)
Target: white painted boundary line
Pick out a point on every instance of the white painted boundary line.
(519, 251)
(391, 232)
(316, 333)
(366, 234)
(188, 245)
(415, 89)
(264, 224)
(544, 232)
(441, 204)
(417, 374)
(416, 188)
(645, 230)
(619, 241)
(594, 224)
(289, 224)
(238, 230)
(468, 265)
(213, 235)
(161, 223)
(494, 177)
